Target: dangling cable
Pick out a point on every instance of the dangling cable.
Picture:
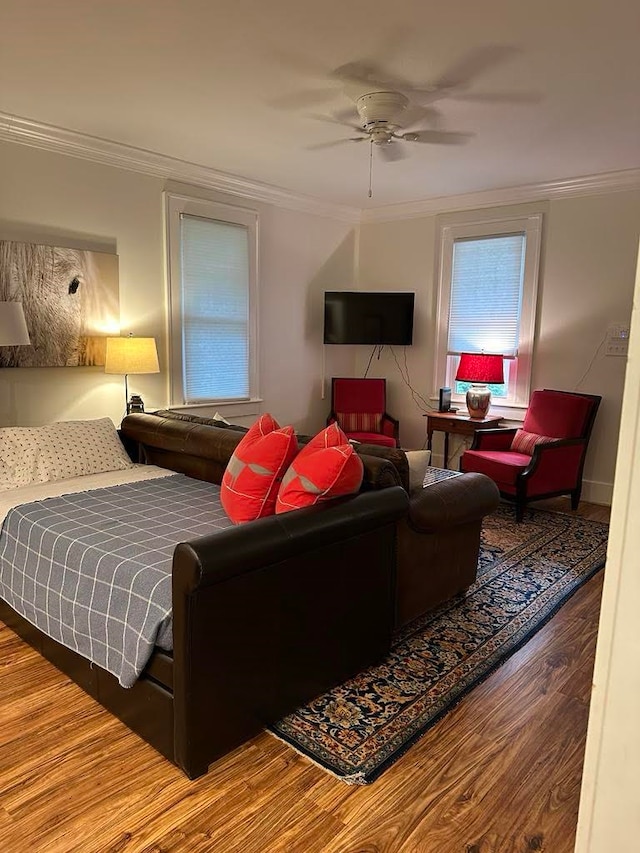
(370, 165)
(370, 359)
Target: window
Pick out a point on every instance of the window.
(487, 301)
(212, 282)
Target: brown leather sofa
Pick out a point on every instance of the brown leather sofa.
(266, 615)
(438, 540)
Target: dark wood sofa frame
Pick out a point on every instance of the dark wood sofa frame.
(266, 615)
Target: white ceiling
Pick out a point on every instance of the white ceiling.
(213, 82)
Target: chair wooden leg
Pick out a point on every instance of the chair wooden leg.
(575, 498)
(519, 510)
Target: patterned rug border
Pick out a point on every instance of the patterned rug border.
(367, 777)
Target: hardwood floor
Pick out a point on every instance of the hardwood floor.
(499, 774)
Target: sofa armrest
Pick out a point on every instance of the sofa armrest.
(557, 464)
(245, 548)
(269, 614)
(451, 502)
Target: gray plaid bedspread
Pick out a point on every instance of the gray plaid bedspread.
(93, 569)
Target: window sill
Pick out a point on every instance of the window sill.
(228, 408)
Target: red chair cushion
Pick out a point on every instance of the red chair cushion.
(321, 471)
(253, 475)
(524, 442)
(373, 438)
(503, 466)
(558, 414)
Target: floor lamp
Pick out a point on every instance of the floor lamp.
(131, 355)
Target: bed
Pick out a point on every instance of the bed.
(264, 616)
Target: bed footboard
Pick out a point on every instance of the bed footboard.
(265, 621)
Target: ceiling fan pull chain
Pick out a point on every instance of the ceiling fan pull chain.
(370, 165)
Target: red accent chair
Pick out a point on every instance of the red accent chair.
(543, 459)
(358, 405)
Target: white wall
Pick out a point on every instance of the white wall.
(609, 817)
(586, 282)
(51, 198)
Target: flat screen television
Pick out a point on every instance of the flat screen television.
(358, 317)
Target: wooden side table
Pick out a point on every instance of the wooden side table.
(450, 422)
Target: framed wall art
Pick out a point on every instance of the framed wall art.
(70, 299)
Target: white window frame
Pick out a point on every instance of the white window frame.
(531, 227)
(175, 206)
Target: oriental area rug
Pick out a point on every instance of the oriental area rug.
(526, 572)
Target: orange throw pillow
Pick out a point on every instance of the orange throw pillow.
(327, 467)
(253, 475)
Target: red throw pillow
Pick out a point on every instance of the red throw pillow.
(253, 475)
(331, 436)
(320, 472)
(524, 442)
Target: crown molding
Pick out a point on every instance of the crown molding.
(606, 182)
(106, 152)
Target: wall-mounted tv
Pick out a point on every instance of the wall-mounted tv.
(376, 317)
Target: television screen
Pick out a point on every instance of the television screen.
(356, 317)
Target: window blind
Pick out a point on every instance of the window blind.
(215, 309)
(486, 294)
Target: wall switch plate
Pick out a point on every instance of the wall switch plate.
(617, 340)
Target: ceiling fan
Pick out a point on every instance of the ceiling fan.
(379, 118)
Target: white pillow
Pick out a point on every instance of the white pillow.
(59, 451)
(418, 463)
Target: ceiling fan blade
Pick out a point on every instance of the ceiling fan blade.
(304, 98)
(475, 63)
(301, 63)
(417, 113)
(391, 152)
(331, 120)
(498, 97)
(320, 145)
(360, 72)
(438, 137)
(350, 114)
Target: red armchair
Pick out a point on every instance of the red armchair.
(359, 407)
(543, 459)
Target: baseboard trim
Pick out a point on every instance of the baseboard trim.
(596, 492)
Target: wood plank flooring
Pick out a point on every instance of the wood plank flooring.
(499, 774)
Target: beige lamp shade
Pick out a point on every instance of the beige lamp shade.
(131, 355)
(13, 326)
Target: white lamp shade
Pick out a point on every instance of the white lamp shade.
(131, 355)
(13, 326)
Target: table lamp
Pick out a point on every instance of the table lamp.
(131, 355)
(481, 370)
(13, 326)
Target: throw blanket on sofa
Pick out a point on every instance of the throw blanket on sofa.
(93, 569)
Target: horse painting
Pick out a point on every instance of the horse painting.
(70, 299)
